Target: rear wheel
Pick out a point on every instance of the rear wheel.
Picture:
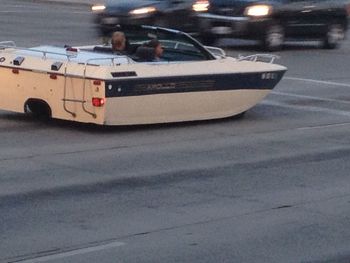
(273, 38)
(335, 34)
(38, 109)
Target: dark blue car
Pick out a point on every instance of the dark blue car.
(272, 21)
(177, 14)
(269, 21)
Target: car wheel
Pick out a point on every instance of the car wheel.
(335, 34)
(273, 38)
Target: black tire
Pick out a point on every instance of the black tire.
(273, 38)
(334, 35)
(38, 109)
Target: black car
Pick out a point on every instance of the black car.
(177, 14)
(271, 21)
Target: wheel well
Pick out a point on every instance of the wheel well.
(38, 108)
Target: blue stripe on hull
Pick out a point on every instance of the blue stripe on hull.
(196, 83)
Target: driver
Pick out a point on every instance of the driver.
(118, 42)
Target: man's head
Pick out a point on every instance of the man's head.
(118, 41)
(158, 49)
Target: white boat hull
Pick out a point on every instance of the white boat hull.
(180, 107)
(135, 93)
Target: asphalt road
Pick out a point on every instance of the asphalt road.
(271, 187)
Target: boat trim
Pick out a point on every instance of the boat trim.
(195, 83)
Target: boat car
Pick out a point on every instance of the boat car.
(91, 84)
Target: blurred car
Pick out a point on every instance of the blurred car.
(272, 21)
(177, 14)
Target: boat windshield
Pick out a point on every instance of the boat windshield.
(177, 45)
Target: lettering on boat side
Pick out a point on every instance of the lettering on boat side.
(268, 75)
(161, 86)
(178, 85)
(2, 59)
(206, 84)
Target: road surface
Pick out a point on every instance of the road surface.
(271, 187)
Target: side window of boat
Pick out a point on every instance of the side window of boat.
(176, 47)
(179, 49)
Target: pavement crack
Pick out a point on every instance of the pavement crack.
(282, 207)
(142, 233)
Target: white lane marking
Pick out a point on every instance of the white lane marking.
(332, 83)
(313, 108)
(71, 253)
(309, 97)
(307, 108)
(324, 126)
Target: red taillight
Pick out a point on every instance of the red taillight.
(98, 102)
(97, 82)
(53, 76)
(71, 49)
(15, 71)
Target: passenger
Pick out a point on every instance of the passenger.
(118, 42)
(158, 49)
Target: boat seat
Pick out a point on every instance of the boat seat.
(145, 54)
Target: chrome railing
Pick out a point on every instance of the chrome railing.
(216, 51)
(68, 54)
(4, 44)
(43, 52)
(268, 58)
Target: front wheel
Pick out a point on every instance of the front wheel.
(273, 38)
(335, 34)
